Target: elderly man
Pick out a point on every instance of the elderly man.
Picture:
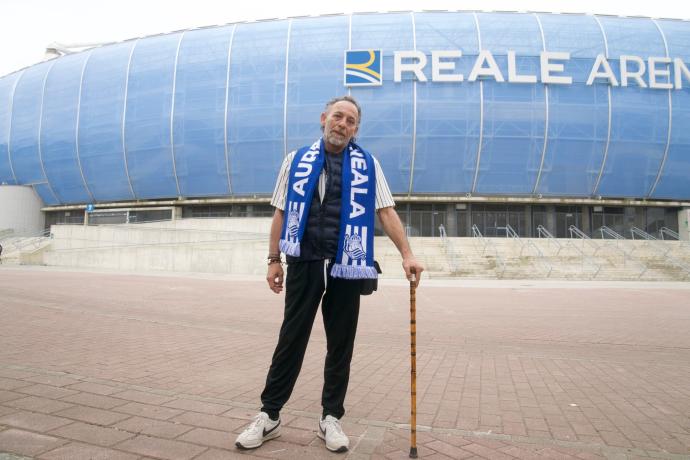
(325, 199)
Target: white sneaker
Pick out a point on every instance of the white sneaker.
(331, 432)
(261, 429)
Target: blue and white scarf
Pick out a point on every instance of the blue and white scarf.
(355, 257)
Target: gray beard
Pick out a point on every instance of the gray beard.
(336, 140)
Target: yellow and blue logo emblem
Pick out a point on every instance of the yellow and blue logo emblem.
(363, 68)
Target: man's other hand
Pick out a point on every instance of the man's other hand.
(275, 278)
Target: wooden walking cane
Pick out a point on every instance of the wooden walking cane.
(413, 368)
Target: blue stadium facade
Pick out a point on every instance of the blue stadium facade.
(210, 113)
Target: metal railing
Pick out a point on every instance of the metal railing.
(576, 233)
(627, 254)
(527, 244)
(449, 249)
(487, 244)
(587, 260)
(21, 242)
(612, 234)
(542, 232)
(667, 231)
(664, 251)
(634, 231)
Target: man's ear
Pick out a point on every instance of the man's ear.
(323, 119)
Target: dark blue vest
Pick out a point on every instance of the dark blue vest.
(320, 239)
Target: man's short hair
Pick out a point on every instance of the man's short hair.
(349, 99)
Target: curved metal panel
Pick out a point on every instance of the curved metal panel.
(59, 129)
(172, 114)
(448, 114)
(199, 112)
(578, 114)
(225, 111)
(7, 87)
(386, 129)
(123, 138)
(26, 125)
(546, 114)
(670, 116)
(639, 116)
(414, 110)
(46, 193)
(481, 112)
(608, 132)
(50, 198)
(315, 74)
(101, 114)
(256, 106)
(285, 93)
(148, 112)
(674, 179)
(514, 126)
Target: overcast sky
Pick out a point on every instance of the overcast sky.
(27, 27)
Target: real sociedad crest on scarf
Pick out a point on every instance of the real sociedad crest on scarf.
(363, 68)
(353, 247)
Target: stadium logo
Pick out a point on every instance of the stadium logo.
(363, 68)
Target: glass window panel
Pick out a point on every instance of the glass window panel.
(639, 116)
(199, 117)
(26, 122)
(6, 89)
(448, 114)
(147, 121)
(58, 129)
(256, 106)
(674, 183)
(315, 74)
(100, 122)
(386, 129)
(514, 115)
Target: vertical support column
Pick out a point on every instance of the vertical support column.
(683, 226)
(451, 222)
(527, 232)
(551, 219)
(586, 219)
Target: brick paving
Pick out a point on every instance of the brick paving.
(108, 366)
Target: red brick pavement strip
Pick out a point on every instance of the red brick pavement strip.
(166, 372)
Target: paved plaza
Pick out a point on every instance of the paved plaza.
(100, 365)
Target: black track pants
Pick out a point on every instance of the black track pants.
(304, 287)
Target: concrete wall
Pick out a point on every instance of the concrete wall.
(20, 210)
(683, 227)
(154, 247)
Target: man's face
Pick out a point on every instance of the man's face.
(340, 124)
